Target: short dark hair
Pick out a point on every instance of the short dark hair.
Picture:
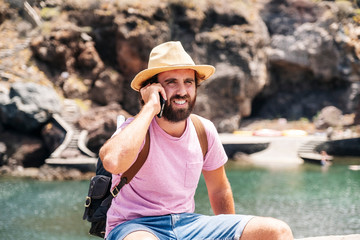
(153, 79)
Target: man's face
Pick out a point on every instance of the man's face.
(180, 88)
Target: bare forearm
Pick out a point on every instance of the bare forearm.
(219, 191)
(222, 202)
(119, 152)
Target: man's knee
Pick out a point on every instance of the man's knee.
(141, 235)
(282, 230)
(267, 228)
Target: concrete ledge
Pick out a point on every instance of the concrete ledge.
(344, 237)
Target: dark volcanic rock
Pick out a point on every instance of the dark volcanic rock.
(101, 122)
(308, 59)
(23, 149)
(329, 117)
(28, 106)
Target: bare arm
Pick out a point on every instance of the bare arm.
(219, 191)
(119, 152)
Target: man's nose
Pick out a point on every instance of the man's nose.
(181, 89)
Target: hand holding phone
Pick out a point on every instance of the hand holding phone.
(162, 100)
(162, 104)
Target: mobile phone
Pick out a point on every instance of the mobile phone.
(162, 104)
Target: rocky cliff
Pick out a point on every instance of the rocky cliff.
(288, 58)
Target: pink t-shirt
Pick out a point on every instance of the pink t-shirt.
(167, 181)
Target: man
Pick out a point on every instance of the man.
(159, 202)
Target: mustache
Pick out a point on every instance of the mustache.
(184, 97)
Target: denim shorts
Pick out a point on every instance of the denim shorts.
(185, 226)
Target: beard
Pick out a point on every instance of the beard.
(178, 115)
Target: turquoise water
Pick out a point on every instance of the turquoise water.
(314, 201)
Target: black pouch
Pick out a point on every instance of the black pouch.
(97, 204)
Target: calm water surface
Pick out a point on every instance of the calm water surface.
(312, 200)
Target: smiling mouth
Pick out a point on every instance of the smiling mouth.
(180, 102)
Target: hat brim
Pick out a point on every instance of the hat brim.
(205, 71)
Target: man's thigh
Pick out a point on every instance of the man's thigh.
(141, 235)
(266, 228)
(158, 228)
(196, 226)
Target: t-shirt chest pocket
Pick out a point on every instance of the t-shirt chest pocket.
(192, 174)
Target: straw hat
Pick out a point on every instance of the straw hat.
(170, 56)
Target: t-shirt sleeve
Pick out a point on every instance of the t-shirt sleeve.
(216, 155)
(122, 126)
